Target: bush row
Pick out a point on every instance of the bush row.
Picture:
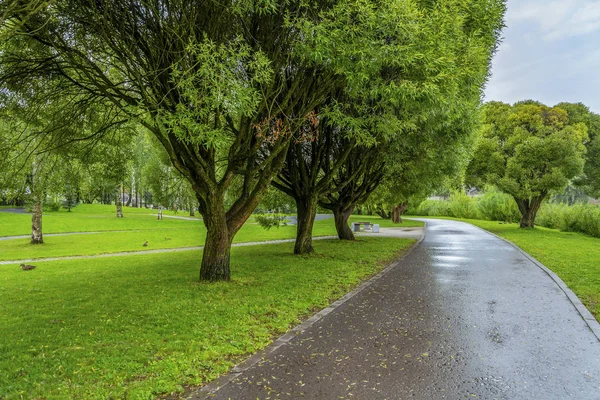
(497, 206)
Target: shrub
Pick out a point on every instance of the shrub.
(497, 206)
(433, 208)
(583, 218)
(49, 206)
(463, 206)
(268, 221)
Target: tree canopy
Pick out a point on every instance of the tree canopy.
(225, 87)
(527, 150)
(590, 179)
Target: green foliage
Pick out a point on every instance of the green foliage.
(216, 83)
(70, 201)
(276, 200)
(459, 205)
(463, 206)
(51, 206)
(431, 208)
(268, 221)
(497, 206)
(590, 179)
(225, 88)
(571, 195)
(583, 218)
(527, 150)
(167, 186)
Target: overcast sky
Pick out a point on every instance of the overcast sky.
(550, 53)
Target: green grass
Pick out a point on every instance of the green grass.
(140, 326)
(574, 257)
(98, 217)
(129, 233)
(88, 218)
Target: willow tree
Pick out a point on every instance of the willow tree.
(421, 164)
(527, 150)
(308, 174)
(223, 86)
(352, 184)
(404, 79)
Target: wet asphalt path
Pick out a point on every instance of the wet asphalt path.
(464, 316)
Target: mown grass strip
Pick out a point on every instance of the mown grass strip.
(159, 234)
(141, 326)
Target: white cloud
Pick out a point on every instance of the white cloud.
(551, 53)
(558, 19)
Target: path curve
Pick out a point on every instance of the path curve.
(464, 315)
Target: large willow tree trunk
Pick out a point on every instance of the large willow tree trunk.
(119, 202)
(397, 212)
(529, 209)
(217, 247)
(341, 223)
(307, 211)
(36, 218)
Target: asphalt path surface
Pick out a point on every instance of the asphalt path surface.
(465, 315)
(14, 210)
(293, 219)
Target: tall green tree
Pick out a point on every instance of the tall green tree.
(406, 80)
(222, 86)
(352, 184)
(421, 164)
(527, 150)
(308, 173)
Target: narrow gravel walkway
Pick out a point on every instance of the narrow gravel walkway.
(410, 233)
(68, 234)
(177, 217)
(134, 253)
(465, 315)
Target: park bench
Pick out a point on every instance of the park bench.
(356, 226)
(367, 226)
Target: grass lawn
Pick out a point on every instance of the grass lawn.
(140, 326)
(574, 257)
(90, 217)
(129, 233)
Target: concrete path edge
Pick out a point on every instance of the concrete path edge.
(207, 391)
(587, 316)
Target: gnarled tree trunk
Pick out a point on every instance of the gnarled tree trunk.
(397, 212)
(217, 247)
(307, 211)
(383, 213)
(529, 209)
(36, 219)
(341, 223)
